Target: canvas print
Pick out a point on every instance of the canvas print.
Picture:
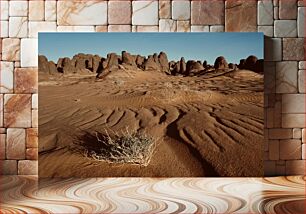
(151, 104)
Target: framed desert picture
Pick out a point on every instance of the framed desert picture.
(151, 104)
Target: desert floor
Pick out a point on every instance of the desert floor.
(205, 126)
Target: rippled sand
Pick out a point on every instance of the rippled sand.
(205, 126)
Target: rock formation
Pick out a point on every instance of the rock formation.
(112, 61)
(46, 66)
(182, 66)
(66, 65)
(139, 61)
(232, 66)
(193, 66)
(205, 64)
(163, 62)
(220, 63)
(151, 64)
(88, 63)
(250, 63)
(241, 64)
(128, 59)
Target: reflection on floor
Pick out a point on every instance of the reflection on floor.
(139, 195)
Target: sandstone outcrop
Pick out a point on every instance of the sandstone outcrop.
(163, 62)
(193, 66)
(220, 63)
(46, 66)
(88, 63)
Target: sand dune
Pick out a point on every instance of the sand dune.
(211, 125)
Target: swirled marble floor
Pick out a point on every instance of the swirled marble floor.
(27, 194)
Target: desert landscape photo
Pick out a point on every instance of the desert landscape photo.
(151, 104)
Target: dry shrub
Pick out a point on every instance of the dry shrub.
(132, 148)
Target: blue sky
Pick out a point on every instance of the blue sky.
(197, 46)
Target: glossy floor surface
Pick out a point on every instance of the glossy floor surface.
(153, 195)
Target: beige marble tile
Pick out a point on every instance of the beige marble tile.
(164, 9)
(303, 151)
(75, 29)
(26, 80)
(119, 12)
(167, 25)
(285, 28)
(287, 9)
(32, 138)
(207, 12)
(216, 28)
(50, 10)
(269, 80)
(17, 110)
(273, 49)
(301, 81)
(4, 30)
(199, 28)
(1, 110)
(286, 77)
(2, 146)
(119, 28)
(302, 65)
(241, 15)
(301, 3)
(6, 77)
(293, 120)
(265, 12)
(29, 53)
(18, 27)
(279, 133)
(180, 10)
(17, 64)
(269, 118)
(293, 103)
(145, 12)
(15, 143)
(101, 28)
(295, 167)
(36, 10)
(32, 154)
(183, 26)
(11, 49)
(34, 101)
(34, 118)
(141, 28)
(267, 30)
(273, 149)
(301, 21)
(275, 13)
(27, 167)
(4, 9)
(41, 26)
(18, 8)
(297, 133)
(290, 149)
(304, 135)
(8, 167)
(74, 12)
(278, 114)
(134, 28)
(293, 49)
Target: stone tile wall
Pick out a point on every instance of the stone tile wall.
(282, 21)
